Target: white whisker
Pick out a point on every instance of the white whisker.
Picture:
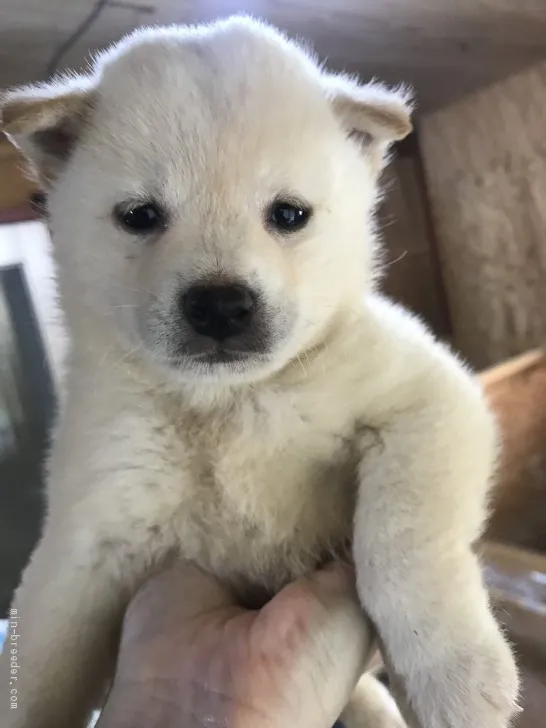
(389, 263)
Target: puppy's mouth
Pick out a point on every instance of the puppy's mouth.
(222, 355)
(219, 362)
(216, 356)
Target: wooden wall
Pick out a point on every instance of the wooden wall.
(15, 186)
(445, 48)
(485, 162)
(412, 270)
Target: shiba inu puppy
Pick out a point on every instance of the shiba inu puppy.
(238, 395)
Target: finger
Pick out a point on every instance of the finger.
(317, 631)
(343, 619)
(334, 580)
(316, 604)
(344, 639)
(334, 586)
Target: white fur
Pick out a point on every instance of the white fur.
(253, 471)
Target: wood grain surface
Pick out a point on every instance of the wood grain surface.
(485, 161)
(446, 48)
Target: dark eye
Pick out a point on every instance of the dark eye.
(143, 218)
(288, 217)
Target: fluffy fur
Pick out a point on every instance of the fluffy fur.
(349, 425)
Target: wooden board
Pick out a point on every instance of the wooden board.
(444, 47)
(485, 159)
(411, 273)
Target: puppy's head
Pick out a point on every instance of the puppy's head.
(211, 192)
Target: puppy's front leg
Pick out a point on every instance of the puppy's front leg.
(67, 609)
(423, 481)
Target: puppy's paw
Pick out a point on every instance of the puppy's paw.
(477, 687)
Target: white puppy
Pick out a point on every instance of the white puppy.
(237, 391)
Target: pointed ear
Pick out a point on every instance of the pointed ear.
(372, 112)
(46, 121)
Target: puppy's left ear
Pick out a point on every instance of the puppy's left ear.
(371, 112)
(46, 122)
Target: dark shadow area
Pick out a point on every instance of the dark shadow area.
(26, 407)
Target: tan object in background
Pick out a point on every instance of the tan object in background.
(517, 392)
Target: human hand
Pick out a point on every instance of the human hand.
(190, 657)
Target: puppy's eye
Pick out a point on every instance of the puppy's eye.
(288, 217)
(140, 219)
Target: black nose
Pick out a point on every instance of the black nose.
(219, 311)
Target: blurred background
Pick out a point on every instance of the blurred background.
(464, 226)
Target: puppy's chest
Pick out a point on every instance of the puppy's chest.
(271, 490)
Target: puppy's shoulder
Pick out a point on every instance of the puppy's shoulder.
(398, 362)
(384, 339)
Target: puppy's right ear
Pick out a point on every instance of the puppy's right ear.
(46, 121)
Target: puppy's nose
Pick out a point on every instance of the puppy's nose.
(219, 311)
